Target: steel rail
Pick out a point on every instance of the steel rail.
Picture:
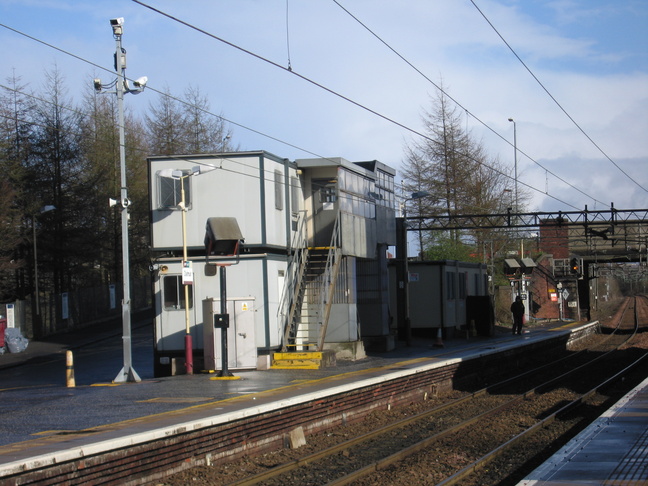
(399, 456)
(488, 458)
(424, 444)
(298, 463)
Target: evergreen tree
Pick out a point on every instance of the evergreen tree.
(54, 152)
(16, 108)
(55, 171)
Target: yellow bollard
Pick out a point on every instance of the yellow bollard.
(69, 370)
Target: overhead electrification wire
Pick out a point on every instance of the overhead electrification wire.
(288, 37)
(112, 84)
(554, 99)
(150, 88)
(143, 153)
(280, 67)
(328, 90)
(468, 112)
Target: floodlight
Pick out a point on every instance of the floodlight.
(528, 265)
(47, 208)
(223, 236)
(203, 168)
(419, 194)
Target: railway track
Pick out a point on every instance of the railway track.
(485, 437)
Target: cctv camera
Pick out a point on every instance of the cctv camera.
(97, 84)
(140, 82)
(117, 25)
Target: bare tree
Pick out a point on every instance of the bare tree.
(165, 126)
(454, 168)
(185, 126)
(205, 133)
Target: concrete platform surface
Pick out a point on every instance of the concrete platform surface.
(611, 451)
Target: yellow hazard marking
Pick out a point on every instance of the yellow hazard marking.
(52, 432)
(175, 400)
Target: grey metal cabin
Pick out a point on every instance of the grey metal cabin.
(312, 270)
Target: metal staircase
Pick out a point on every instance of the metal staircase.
(306, 308)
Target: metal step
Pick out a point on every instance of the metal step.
(303, 360)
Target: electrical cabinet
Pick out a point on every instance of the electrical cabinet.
(239, 325)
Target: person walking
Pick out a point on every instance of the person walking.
(517, 309)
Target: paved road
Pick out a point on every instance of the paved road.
(34, 398)
(35, 402)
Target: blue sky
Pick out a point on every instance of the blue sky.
(591, 55)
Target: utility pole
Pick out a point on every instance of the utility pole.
(127, 373)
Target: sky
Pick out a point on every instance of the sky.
(573, 74)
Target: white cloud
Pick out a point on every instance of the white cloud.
(447, 40)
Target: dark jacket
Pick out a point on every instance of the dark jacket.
(517, 308)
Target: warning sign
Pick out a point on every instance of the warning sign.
(187, 273)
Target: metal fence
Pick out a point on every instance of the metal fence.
(75, 309)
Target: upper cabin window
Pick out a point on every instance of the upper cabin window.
(170, 192)
(278, 183)
(294, 194)
(357, 194)
(385, 187)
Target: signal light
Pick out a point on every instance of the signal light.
(511, 268)
(574, 266)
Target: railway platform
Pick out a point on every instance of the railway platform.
(144, 420)
(611, 451)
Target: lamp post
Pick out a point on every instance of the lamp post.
(403, 285)
(127, 373)
(44, 209)
(517, 207)
(187, 272)
(515, 161)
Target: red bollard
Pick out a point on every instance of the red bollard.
(189, 354)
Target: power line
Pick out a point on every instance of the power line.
(252, 130)
(552, 97)
(468, 112)
(280, 67)
(288, 37)
(335, 93)
(286, 70)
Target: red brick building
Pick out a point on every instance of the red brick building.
(553, 288)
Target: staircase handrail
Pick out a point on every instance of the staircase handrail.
(329, 279)
(294, 273)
